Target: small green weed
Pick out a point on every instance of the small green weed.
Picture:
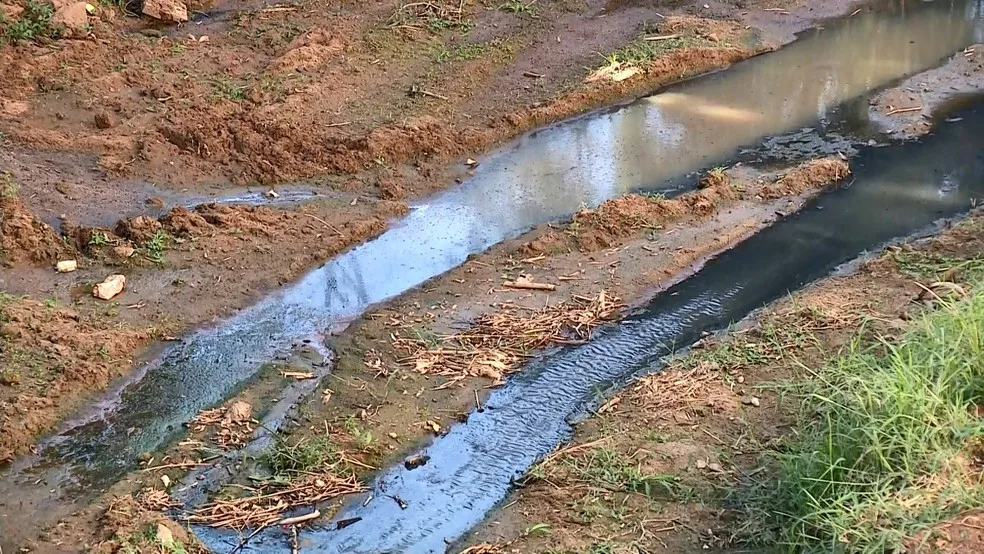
(156, 245)
(537, 529)
(34, 24)
(361, 435)
(224, 88)
(8, 187)
(519, 7)
(98, 238)
(146, 540)
(287, 459)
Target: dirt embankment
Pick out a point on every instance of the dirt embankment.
(655, 465)
(906, 111)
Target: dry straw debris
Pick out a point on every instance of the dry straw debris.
(270, 502)
(499, 342)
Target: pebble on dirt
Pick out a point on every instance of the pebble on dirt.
(238, 412)
(66, 266)
(110, 287)
(166, 10)
(123, 251)
(104, 120)
(74, 18)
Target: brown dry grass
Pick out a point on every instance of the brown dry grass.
(268, 503)
(498, 343)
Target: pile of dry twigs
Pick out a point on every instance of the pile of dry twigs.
(268, 503)
(420, 15)
(499, 342)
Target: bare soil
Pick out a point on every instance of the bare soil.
(703, 423)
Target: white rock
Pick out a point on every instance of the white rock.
(66, 266)
(110, 287)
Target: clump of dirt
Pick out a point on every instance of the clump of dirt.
(138, 229)
(620, 217)
(616, 219)
(129, 526)
(804, 177)
(50, 357)
(24, 237)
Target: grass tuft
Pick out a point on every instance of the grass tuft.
(885, 446)
(287, 459)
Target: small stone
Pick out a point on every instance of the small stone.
(166, 10)
(741, 379)
(66, 266)
(110, 287)
(73, 18)
(392, 435)
(164, 536)
(714, 466)
(756, 402)
(238, 412)
(415, 461)
(104, 120)
(272, 194)
(701, 464)
(123, 252)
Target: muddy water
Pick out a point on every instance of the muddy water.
(897, 191)
(544, 176)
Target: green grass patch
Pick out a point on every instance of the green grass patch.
(33, 25)
(884, 444)
(287, 459)
(8, 187)
(608, 469)
(223, 88)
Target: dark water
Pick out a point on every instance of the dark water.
(792, 95)
(898, 190)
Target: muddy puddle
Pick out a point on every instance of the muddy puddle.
(896, 191)
(650, 144)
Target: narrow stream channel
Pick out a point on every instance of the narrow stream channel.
(650, 144)
(897, 191)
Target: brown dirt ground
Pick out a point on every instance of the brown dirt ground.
(906, 111)
(694, 422)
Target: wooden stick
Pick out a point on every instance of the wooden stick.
(326, 224)
(300, 519)
(528, 285)
(904, 110)
(663, 37)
